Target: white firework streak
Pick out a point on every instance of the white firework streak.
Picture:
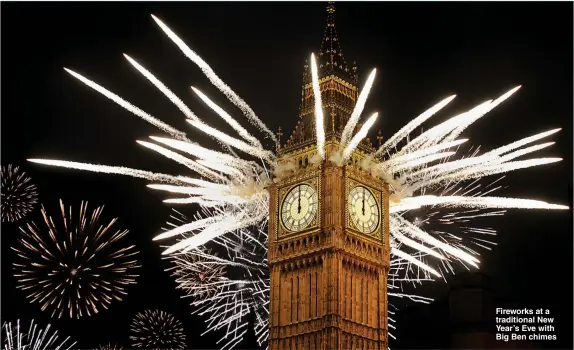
(215, 80)
(359, 137)
(17, 337)
(319, 120)
(356, 114)
(424, 174)
(413, 124)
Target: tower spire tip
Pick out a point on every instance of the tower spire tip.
(331, 7)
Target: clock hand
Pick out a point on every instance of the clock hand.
(299, 202)
(363, 201)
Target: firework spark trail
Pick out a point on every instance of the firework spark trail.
(198, 191)
(170, 95)
(413, 244)
(414, 231)
(128, 106)
(388, 165)
(456, 132)
(196, 166)
(523, 151)
(234, 165)
(359, 106)
(209, 233)
(193, 149)
(215, 80)
(413, 260)
(520, 143)
(359, 136)
(474, 202)
(232, 122)
(157, 329)
(192, 165)
(189, 227)
(319, 119)
(449, 130)
(186, 111)
(164, 89)
(18, 194)
(74, 269)
(435, 134)
(407, 129)
(148, 175)
(232, 141)
(421, 161)
(15, 337)
(219, 166)
(432, 172)
(192, 118)
(215, 230)
(493, 169)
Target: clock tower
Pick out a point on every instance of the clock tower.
(328, 226)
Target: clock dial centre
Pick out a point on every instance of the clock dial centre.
(299, 207)
(363, 209)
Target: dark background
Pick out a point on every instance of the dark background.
(424, 52)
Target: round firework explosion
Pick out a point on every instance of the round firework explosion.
(77, 267)
(196, 274)
(20, 337)
(110, 346)
(156, 329)
(19, 195)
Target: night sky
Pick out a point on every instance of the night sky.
(424, 53)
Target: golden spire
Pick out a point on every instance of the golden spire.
(331, 58)
(380, 137)
(331, 7)
(338, 88)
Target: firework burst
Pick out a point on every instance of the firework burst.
(226, 287)
(19, 337)
(423, 172)
(197, 273)
(110, 346)
(156, 329)
(19, 195)
(77, 267)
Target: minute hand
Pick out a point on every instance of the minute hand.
(299, 202)
(363, 201)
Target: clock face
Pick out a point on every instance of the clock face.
(299, 207)
(363, 209)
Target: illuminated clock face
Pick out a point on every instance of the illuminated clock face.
(363, 210)
(299, 207)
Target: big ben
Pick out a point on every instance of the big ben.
(328, 226)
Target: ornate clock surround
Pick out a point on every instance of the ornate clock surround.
(313, 180)
(379, 193)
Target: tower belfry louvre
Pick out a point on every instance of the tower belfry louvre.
(328, 226)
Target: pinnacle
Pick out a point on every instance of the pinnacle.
(331, 59)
